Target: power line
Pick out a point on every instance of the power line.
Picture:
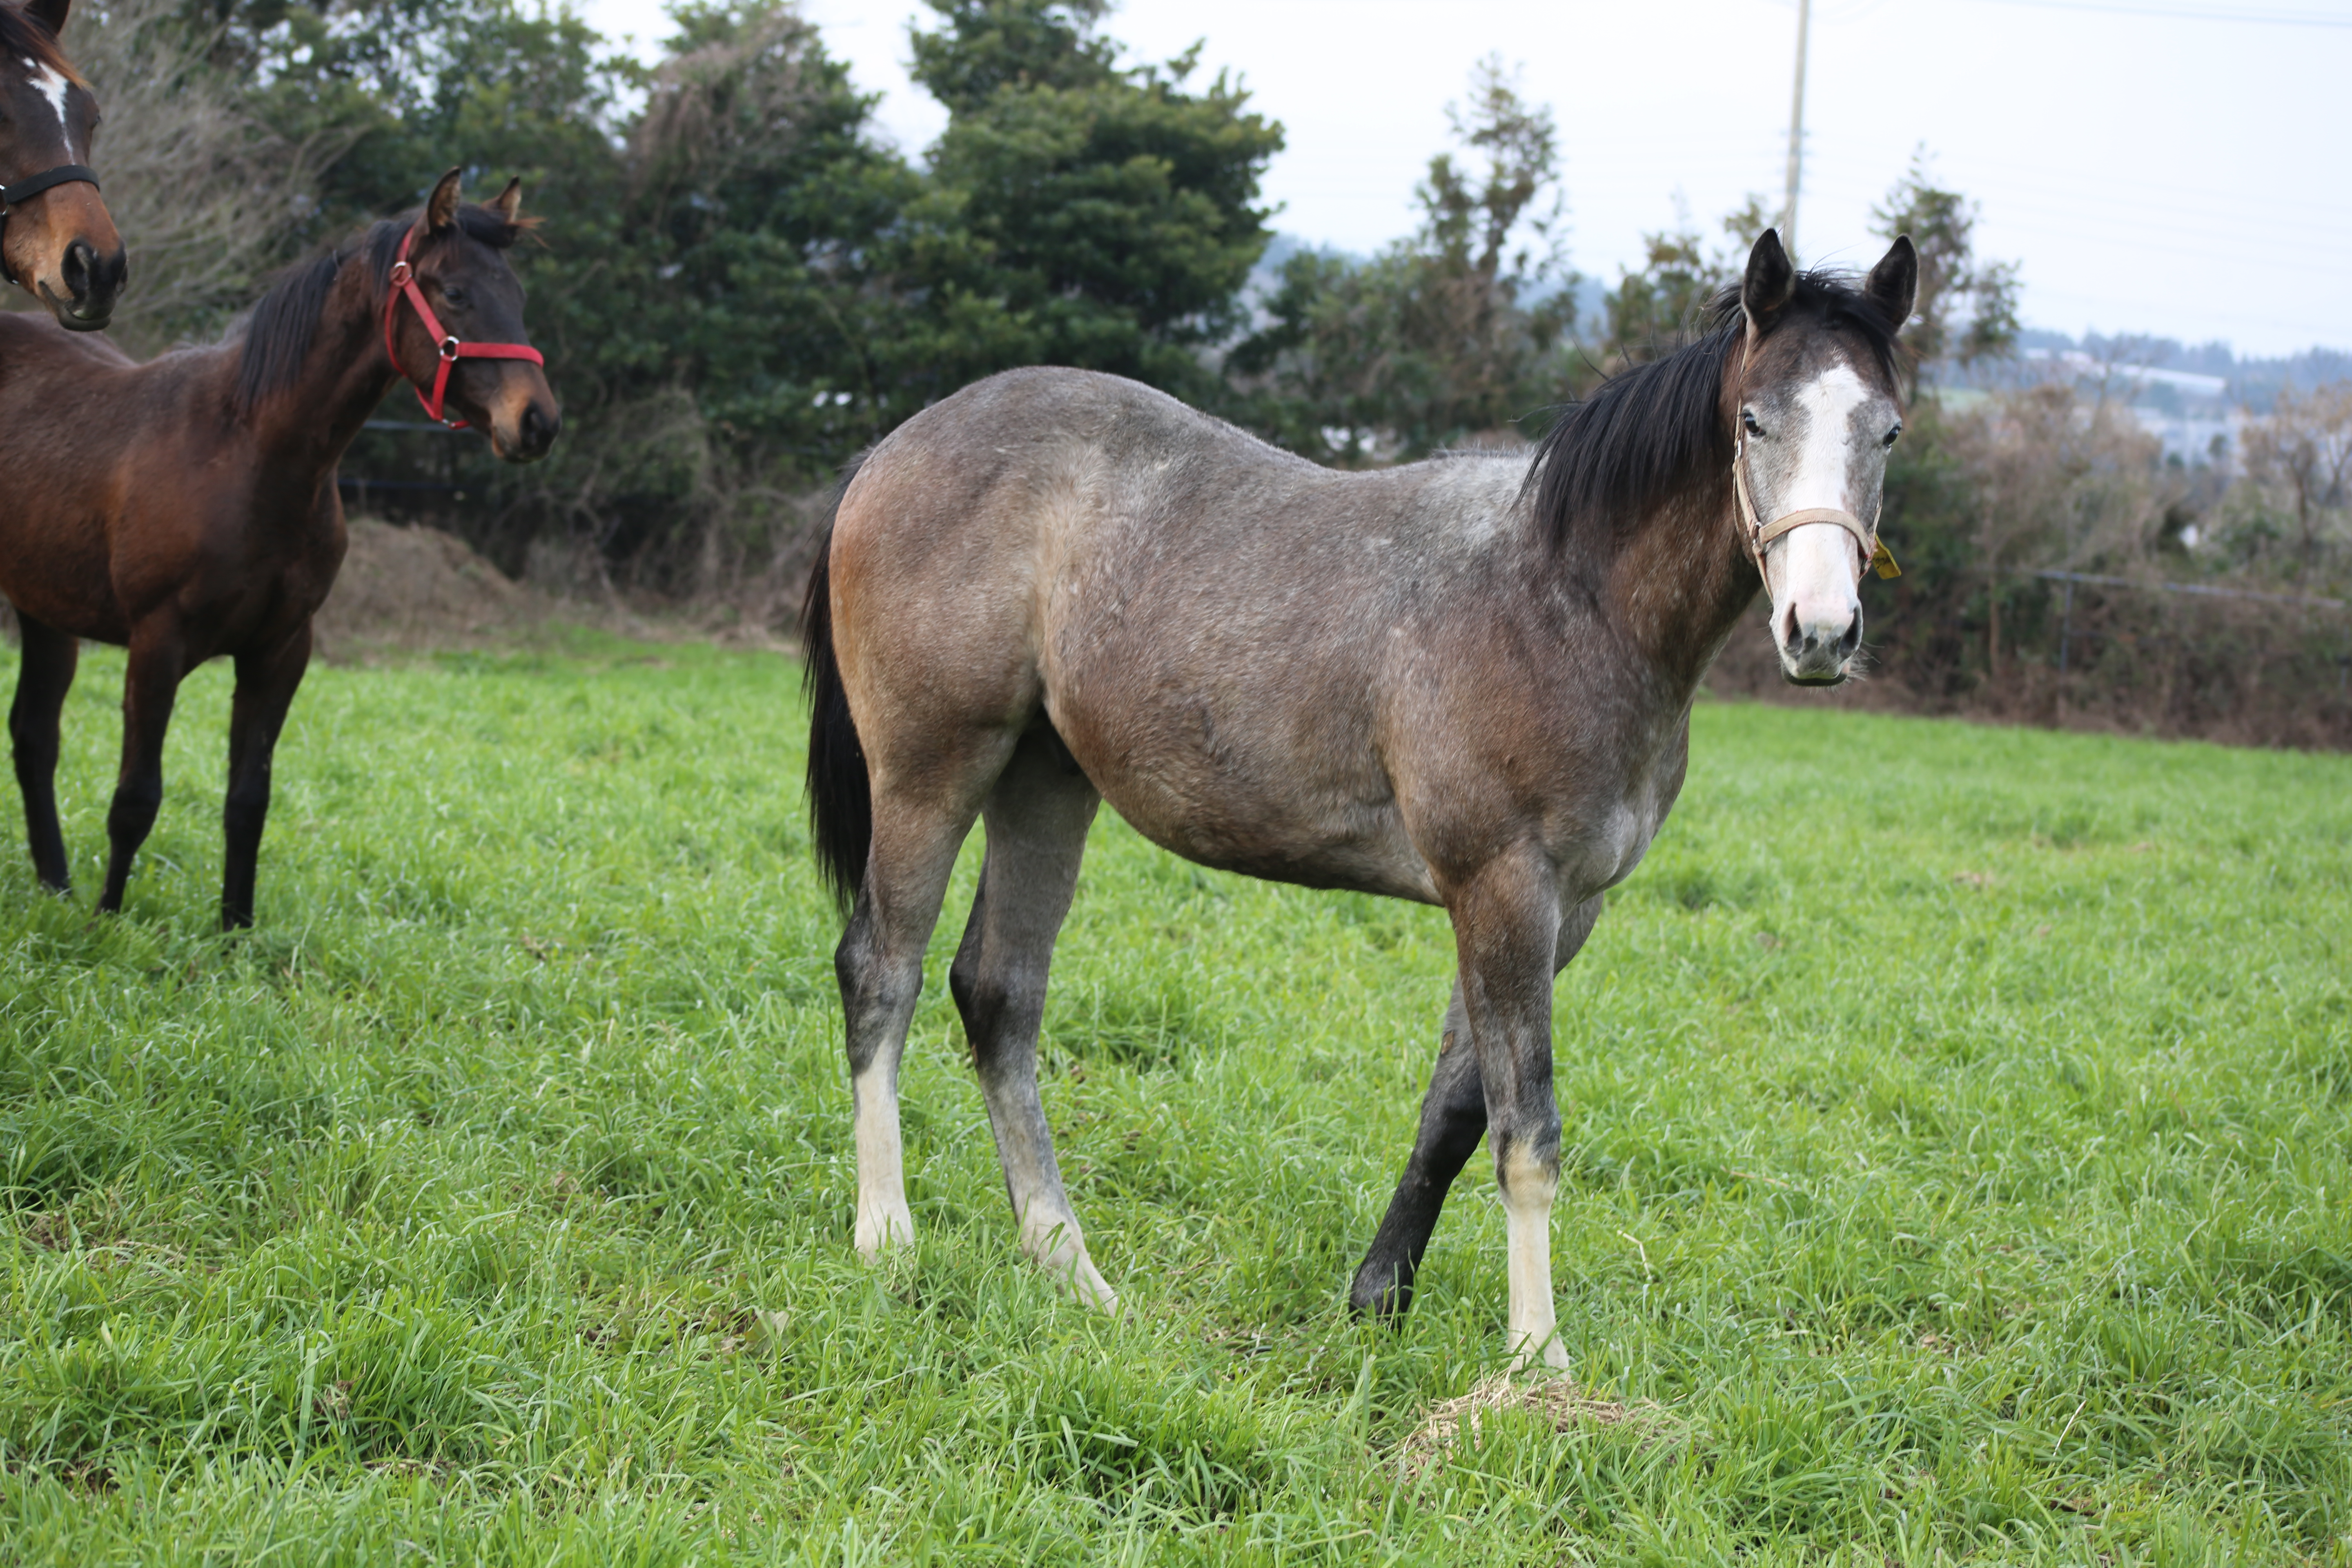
(2171, 13)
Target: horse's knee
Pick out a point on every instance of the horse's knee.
(136, 802)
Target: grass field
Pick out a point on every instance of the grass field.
(1957, 1134)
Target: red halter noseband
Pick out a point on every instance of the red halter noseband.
(404, 283)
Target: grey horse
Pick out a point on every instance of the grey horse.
(1465, 681)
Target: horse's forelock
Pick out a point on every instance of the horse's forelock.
(24, 37)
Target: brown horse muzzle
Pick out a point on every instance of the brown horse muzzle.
(524, 419)
(63, 246)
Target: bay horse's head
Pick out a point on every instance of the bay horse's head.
(1818, 406)
(56, 240)
(459, 331)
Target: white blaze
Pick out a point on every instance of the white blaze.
(1818, 476)
(53, 87)
(1812, 566)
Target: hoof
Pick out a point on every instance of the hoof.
(1380, 1295)
(884, 1230)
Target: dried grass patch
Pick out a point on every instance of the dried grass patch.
(1554, 1400)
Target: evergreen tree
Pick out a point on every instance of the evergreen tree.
(1085, 213)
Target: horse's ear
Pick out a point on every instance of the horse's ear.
(441, 208)
(1770, 280)
(1894, 284)
(508, 204)
(49, 14)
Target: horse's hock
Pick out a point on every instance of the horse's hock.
(415, 587)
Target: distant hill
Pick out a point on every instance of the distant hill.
(2250, 383)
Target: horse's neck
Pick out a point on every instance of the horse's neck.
(345, 375)
(1677, 587)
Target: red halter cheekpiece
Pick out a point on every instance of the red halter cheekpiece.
(404, 284)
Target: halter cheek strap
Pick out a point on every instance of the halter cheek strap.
(25, 190)
(452, 349)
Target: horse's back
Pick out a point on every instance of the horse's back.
(1210, 624)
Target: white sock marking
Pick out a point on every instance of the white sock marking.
(1527, 1192)
(883, 1217)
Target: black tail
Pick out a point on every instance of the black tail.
(841, 799)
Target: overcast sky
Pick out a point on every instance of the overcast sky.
(2176, 167)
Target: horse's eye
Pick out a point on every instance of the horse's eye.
(455, 295)
(1748, 418)
(1889, 439)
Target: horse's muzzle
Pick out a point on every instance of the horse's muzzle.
(531, 435)
(1817, 648)
(92, 284)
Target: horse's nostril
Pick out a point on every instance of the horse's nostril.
(77, 267)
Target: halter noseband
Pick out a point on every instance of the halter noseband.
(25, 190)
(452, 349)
(1760, 535)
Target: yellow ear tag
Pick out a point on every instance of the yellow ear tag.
(1883, 560)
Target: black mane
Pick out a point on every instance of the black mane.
(1648, 435)
(278, 335)
(25, 37)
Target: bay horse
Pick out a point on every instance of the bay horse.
(186, 508)
(57, 241)
(1466, 682)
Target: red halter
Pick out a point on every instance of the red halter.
(404, 283)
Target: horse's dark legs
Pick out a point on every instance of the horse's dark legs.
(1453, 1120)
(1037, 818)
(43, 679)
(266, 683)
(1454, 1113)
(157, 663)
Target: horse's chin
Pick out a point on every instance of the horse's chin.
(70, 319)
(1817, 682)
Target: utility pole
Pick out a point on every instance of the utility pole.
(1796, 133)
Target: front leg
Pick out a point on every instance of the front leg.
(158, 661)
(266, 684)
(1452, 1120)
(43, 676)
(1506, 925)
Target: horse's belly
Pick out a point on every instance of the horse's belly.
(1297, 826)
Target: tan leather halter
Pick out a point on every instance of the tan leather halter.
(1759, 534)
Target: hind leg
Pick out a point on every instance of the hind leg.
(880, 966)
(43, 679)
(1037, 818)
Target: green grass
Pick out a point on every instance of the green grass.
(1957, 1133)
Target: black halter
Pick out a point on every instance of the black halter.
(25, 190)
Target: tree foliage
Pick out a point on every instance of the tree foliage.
(1654, 305)
(1459, 329)
(1967, 308)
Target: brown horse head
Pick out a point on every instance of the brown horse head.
(457, 253)
(56, 240)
